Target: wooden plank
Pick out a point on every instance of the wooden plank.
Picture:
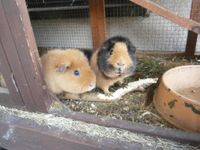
(8, 75)
(150, 130)
(22, 134)
(181, 21)
(10, 51)
(27, 138)
(192, 37)
(97, 21)
(191, 44)
(29, 129)
(37, 97)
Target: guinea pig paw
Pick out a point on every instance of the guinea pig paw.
(122, 84)
(109, 94)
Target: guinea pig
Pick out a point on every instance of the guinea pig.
(113, 61)
(68, 71)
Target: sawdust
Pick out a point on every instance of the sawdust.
(130, 107)
(92, 130)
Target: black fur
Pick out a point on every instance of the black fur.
(106, 49)
(87, 53)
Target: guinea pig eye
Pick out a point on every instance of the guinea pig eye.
(111, 51)
(76, 73)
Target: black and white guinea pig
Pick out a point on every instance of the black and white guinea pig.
(113, 61)
(68, 71)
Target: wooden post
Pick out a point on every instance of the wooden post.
(97, 21)
(5, 70)
(19, 45)
(192, 37)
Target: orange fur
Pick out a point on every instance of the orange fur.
(58, 82)
(119, 55)
(2, 81)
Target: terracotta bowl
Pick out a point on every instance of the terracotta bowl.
(177, 97)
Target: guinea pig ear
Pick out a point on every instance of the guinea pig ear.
(62, 68)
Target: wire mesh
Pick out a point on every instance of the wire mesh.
(153, 32)
(198, 46)
(60, 23)
(63, 33)
(65, 23)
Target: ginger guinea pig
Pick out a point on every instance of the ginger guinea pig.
(68, 71)
(113, 61)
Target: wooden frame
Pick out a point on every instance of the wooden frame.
(192, 37)
(22, 57)
(19, 58)
(169, 15)
(23, 134)
(97, 21)
(6, 71)
(23, 131)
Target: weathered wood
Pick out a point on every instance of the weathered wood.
(23, 133)
(97, 21)
(158, 53)
(8, 75)
(25, 130)
(13, 59)
(181, 21)
(150, 130)
(23, 56)
(191, 44)
(24, 138)
(192, 37)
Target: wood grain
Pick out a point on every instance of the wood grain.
(97, 22)
(192, 37)
(20, 48)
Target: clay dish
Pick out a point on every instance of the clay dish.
(177, 97)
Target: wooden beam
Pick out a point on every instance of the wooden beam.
(19, 45)
(26, 133)
(24, 130)
(97, 21)
(181, 21)
(192, 37)
(6, 70)
(24, 138)
(140, 128)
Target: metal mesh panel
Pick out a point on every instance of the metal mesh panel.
(153, 32)
(198, 45)
(63, 33)
(65, 23)
(60, 23)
